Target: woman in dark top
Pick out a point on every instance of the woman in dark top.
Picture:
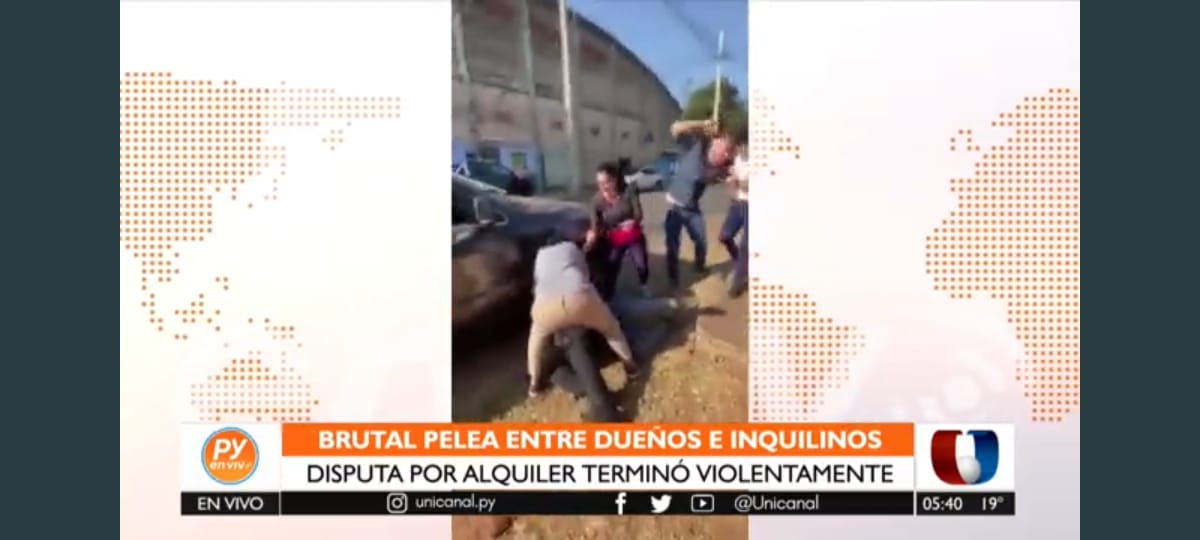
(617, 224)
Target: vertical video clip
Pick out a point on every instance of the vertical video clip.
(600, 215)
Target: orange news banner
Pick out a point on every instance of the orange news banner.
(562, 440)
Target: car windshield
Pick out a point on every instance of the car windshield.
(475, 185)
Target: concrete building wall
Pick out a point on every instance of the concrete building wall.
(623, 110)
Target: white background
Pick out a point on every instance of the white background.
(872, 92)
(345, 254)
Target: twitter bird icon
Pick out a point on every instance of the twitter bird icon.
(660, 504)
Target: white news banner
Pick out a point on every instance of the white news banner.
(597, 473)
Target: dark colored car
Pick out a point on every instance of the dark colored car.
(495, 239)
(493, 174)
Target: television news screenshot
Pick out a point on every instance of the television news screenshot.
(600, 351)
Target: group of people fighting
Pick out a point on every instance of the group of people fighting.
(566, 294)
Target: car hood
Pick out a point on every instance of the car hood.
(543, 206)
(545, 211)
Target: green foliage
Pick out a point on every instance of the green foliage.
(733, 116)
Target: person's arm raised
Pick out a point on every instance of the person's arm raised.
(684, 128)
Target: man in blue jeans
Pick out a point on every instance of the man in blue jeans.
(705, 157)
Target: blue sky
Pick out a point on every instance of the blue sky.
(663, 33)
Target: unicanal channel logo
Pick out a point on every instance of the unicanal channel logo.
(229, 456)
(969, 464)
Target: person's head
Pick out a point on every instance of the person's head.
(609, 180)
(722, 150)
(564, 235)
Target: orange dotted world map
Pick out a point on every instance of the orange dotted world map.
(1014, 234)
(192, 146)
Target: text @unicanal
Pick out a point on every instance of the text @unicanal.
(767, 503)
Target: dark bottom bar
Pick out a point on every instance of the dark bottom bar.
(229, 503)
(596, 503)
(972, 503)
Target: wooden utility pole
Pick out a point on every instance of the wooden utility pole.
(566, 40)
(716, 115)
(643, 129)
(464, 74)
(613, 86)
(523, 15)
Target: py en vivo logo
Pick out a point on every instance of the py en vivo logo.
(965, 468)
(229, 456)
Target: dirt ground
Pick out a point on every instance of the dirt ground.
(700, 376)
